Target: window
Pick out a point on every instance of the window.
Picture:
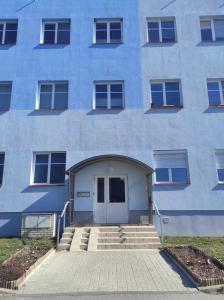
(49, 168)
(215, 92)
(220, 165)
(165, 94)
(2, 160)
(36, 221)
(56, 32)
(108, 95)
(8, 32)
(161, 31)
(171, 167)
(108, 31)
(212, 29)
(5, 95)
(53, 95)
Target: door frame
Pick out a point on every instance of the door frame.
(106, 177)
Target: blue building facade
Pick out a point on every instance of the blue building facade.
(127, 96)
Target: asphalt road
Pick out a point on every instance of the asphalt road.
(117, 296)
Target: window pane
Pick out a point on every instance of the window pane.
(10, 37)
(214, 93)
(101, 88)
(61, 87)
(219, 30)
(63, 37)
(172, 93)
(58, 158)
(57, 173)
(61, 101)
(44, 221)
(40, 174)
(115, 36)
(100, 190)
(5, 88)
(116, 100)
(41, 158)
(168, 31)
(206, 31)
(2, 158)
(157, 94)
(5, 100)
(46, 88)
(11, 26)
(64, 26)
(51, 27)
(162, 175)
(49, 35)
(179, 174)
(45, 101)
(117, 88)
(117, 190)
(101, 32)
(153, 32)
(115, 32)
(1, 35)
(1, 173)
(221, 175)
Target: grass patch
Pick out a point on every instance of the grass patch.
(9, 246)
(213, 246)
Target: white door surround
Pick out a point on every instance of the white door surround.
(110, 199)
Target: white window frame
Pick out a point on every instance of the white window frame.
(4, 30)
(108, 83)
(170, 181)
(163, 82)
(219, 81)
(108, 22)
(47, 22)
(152, 20)
(211, 20)
(219, 151)
(3, 167)
(48, 168)
(53, 93)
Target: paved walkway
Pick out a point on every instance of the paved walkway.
(74, 272)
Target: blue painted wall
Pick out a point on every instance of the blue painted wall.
(134, 132)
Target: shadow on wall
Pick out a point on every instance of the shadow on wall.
(165, 188)
(163, 110)
(50, 46)
(6, 47)
(52, 112)
(214, 110)
(104, 112)
(10, 223)
(105, 46)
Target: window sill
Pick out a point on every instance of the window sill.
(166, 107)
(119, 43)
(161, 43)
(216, 106)
(173, 184)
(53, 44)
(108, 109)
(46, 185)
(49, 110)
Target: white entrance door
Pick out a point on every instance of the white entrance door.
(111, 205)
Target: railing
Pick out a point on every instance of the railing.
(160, 219)
(60, 217)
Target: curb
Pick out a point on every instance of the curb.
(8, 286)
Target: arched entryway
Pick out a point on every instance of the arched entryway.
(110, 189)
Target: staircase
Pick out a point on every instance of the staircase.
(128, 238)
(106, 238)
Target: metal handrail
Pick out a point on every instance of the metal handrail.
(160, 218)
(62, 215)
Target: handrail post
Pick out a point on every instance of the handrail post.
(58, 231)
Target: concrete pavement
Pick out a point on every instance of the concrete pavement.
(109, 271)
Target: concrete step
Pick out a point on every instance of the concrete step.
(63, 247)
(127, 229)
(69, 229)
(67, 235)
(134, 246)
(131, 240)
(127, 234)
(66, 240)
(83, 247)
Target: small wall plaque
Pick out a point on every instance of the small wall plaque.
(83, 194)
